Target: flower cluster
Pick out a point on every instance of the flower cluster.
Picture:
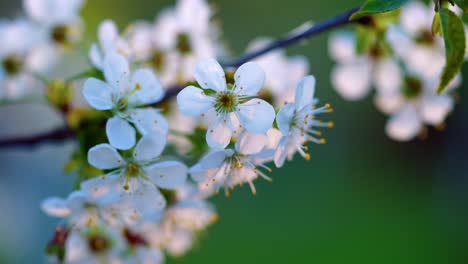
(32, 44)
(147, 163)
(404, 63)
(165, 126)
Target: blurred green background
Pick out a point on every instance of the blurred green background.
(361, 199)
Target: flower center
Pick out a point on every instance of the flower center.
(60, 34)
(98, 243)
(12, 65)
(134, 239)
(425, 37)
(226, 102)
(412, 87)
(157, 61)
(183, 43)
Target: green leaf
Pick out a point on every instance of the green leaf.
(377, 6)
(436, 30)
(365, 39)
(463, 4)
(454, 37)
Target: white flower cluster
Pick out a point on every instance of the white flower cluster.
(405, 72)
(144, 203)
(34, 43)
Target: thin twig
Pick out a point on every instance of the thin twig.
(288, 40)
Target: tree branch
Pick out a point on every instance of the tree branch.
(288, 40)
(57, 135)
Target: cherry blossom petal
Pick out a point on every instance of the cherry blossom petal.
(98, 94)
(116, 72)
(105, 157)
(55, 206)
(256, 115)
(103, 189)
(120, 133)
(219, 133)
(249, 79)
(149, 88)
(149, 147)
(150, 120)
(434, 109)
(341, 46)
(404, 125)
(193, 101)
(210, 75)
(249, 143)
(352, 80)
(305, 92)
(168, 174)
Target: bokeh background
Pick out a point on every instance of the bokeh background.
(361, 199)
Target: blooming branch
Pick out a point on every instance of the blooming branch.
(342, 19)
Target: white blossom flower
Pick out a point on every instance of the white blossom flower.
(413, 41)
(282, 72)
(132, 186)
(21, 58)
(355, 74)
(58, 19)
(228, 168)
(109, 42)
(413, 105)
(297, 122)
(122, 93)
(232, 105)
(95, 244)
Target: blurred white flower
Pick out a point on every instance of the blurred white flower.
(59, 20)
(282, 72)
(109, 42)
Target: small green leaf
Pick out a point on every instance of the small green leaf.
(365, 39)
(436, 30)
(377, 6)
(463, 4)
(454, 37)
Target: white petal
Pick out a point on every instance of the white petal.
(404, 125)
(341, 46)
(281, 152)
(434, 109)
(149, 87)
(210, 75)
(149, 147)
(249, 143)
(103, 189)
(107, 34)
(55, 206)
(219, 133)
(104, 156)
(305, 92)
(168, 174)
(98, 94)
(120, 133)
(215, 159)
(353, 80)
(387, 76)
(415, 17)
(285, 117)
(95, 56)
(116, 70)
(193, 101)
(389, 102)
(249, 78)
(150, 120)
(256, 115)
